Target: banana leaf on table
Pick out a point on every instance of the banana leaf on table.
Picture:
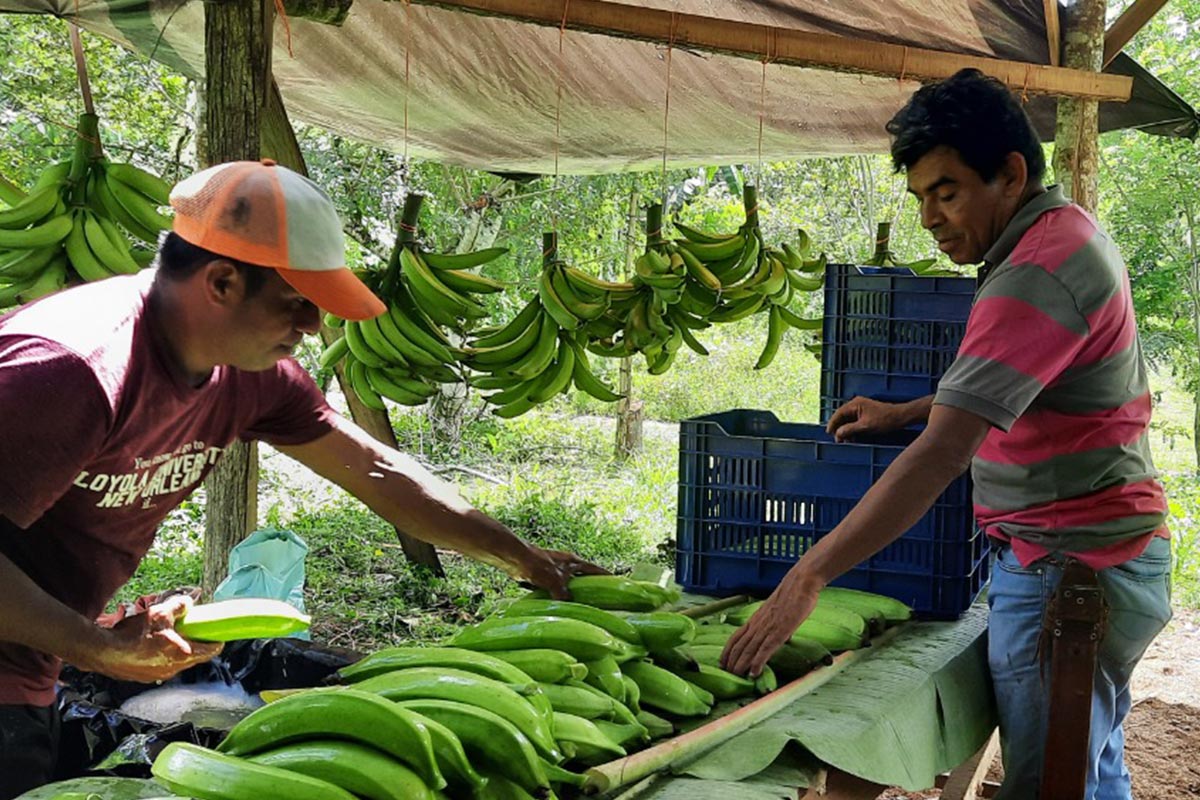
(780, 780)
(912, 709)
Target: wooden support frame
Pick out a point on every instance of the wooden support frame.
(787, 46)
(966, 781)
(1132, 20)
(1053, 32)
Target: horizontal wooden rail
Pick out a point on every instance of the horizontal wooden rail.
(788, 46)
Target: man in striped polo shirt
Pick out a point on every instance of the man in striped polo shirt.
(1047, 402)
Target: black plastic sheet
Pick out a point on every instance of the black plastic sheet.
(97, 738)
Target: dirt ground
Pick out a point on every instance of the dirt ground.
(1163, 729)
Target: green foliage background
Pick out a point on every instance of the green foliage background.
(557, 482)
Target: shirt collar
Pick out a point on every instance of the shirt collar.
(1023, 220)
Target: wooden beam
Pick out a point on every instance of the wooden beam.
(1053, 32)
(787, 46)
(967, 779)
(1132, 20)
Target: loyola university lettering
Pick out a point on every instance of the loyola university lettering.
(166, 473)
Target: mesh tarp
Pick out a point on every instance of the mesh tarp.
(484, 92)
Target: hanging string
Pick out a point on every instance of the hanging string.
(562, 35)
(407, 58)
(667, 111)
(1025, 86)
(287, 26)
(772, 50)
(81, 67)
(903, 63)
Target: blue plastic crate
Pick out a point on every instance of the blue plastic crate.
(888, 334)
(756, 493)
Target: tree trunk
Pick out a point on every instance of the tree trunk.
(279, 142)
(1077, 137)
(1196, 426)
(629, 411)
(446, 408)
(237, 57)
(1195, 292)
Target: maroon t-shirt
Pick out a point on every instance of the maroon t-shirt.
(101, 439)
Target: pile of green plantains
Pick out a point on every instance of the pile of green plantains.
(517, 706)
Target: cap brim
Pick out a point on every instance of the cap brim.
(338, 291)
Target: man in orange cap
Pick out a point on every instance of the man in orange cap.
(120, 396)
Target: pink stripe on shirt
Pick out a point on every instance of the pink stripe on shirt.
(1098, 559)
(1116, 330)
(989, 330)
(1115, 502)
(1072, 229)
(1029, 441)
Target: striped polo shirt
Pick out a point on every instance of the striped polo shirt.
(1051, 358)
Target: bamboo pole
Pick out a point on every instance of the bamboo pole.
(681, 749)
(1132, 20)
(1053, 32)
(715, 606)
(789, 46)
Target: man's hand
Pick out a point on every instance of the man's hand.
(752, 645)
(552, 569)
(146, 647)
(864, 415)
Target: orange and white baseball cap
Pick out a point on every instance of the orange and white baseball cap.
(267, 215)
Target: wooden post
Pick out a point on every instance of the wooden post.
(279, 142)
(629, 411)
(237, 57)
(1077, 136)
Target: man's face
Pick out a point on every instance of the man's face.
(965, 214)
(270, 323)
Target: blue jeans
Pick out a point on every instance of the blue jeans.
(1138, 593)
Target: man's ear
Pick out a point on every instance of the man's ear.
(222, 282)
(1014, 172)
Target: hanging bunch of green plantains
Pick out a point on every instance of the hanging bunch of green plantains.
(76, 222)
(679, 287)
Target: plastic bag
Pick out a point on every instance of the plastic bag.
(97, 737)
(267, 563)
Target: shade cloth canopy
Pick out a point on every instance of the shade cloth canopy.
(505, 95)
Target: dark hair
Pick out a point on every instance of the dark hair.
(179, 259)
(975, 115)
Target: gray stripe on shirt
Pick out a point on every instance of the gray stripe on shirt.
(1012, 487)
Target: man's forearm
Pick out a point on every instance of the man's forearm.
(31, 617)
(916, 412)
(419, 503)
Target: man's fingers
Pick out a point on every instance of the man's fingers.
(174, 637)
(836, 420)
(163, 615)
(849, 430)
(734, 647)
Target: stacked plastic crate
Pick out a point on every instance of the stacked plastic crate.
(756, 493)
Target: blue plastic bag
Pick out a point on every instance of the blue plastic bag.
(267, 563)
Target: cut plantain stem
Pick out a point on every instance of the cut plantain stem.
(87, 140)
(654, 215)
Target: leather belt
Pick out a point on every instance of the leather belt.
(1072, 629)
